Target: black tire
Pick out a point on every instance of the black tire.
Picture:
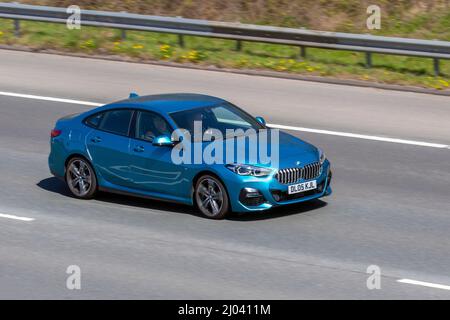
(211, 197)
(80, 178)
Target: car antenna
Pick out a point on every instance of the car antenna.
(133, 95)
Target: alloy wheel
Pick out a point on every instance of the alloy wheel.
(211, 198)
(79, 178)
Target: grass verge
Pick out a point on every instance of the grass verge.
(147, 46)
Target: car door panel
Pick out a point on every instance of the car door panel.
(110, 155)
(108, 145)
(151, 167)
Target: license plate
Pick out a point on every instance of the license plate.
(302, 187)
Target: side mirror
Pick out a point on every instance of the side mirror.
(162, 141)
(261, 120)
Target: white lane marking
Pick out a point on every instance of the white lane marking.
(277, 126)
(9, 216)
(424, 284)
(30, 96)
(362, 136)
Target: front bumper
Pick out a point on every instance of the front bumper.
(272, 192)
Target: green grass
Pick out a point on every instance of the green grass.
(222, 53)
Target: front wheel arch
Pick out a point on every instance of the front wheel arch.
(203, 173)
(214, 175)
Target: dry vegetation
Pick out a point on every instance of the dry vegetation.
(333, 15)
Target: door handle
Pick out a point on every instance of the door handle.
(138, 148)
(96, 139)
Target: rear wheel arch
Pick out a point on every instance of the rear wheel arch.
(76, 155)
(93, 181)
(79, 155)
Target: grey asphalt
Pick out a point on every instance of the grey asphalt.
(390, 207)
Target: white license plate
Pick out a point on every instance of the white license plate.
(302, 187)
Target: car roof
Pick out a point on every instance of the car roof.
(168, 103)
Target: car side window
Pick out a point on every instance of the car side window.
(94, 121)
(116, 121)
(150, 125)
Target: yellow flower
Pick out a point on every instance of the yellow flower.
(310, 69)
(193, 55)
(1, 33)
(166, 51)
(444, 83)
(164, 47)
(87, 44)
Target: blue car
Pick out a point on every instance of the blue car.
(128, 147)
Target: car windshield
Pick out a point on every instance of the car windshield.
(220, 117)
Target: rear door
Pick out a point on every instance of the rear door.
(108, 144)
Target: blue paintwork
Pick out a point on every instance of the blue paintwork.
(151, 172)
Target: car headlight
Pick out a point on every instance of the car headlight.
(322, 157)
(248, 170)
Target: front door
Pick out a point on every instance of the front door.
(151, 167)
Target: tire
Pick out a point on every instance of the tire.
(80, 178)
(211, 197)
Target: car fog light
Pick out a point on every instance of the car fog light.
(276, 197)
(251, 192)
(320, 187)
(251, 197)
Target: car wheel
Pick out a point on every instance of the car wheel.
(80, 178)
(211, 197)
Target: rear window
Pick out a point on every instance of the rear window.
(94, 121)
(116, 121)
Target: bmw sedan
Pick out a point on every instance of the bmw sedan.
(188, 148)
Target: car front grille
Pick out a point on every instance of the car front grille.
(292, 175)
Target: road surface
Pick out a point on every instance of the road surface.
(390, 206)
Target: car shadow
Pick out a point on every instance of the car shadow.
(279, 212)
(56, 185)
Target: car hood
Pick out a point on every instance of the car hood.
(292, 151)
